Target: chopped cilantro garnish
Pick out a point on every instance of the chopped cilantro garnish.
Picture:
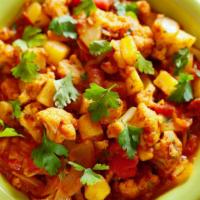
(47, 155)
(7, 131)
(86, 6)
(143, 65)
(33, 36)
(27, 69)
(89, 177)
(64, 26)
(183, 92)
(65, 92)
(129, 139)
(16, 108)
(180, 60)
(103, 99)
(99, 47)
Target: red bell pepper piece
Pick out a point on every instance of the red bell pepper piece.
(120, 164)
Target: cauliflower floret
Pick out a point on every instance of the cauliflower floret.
(129, 189)
(149, 121)
(165, 29)
(145, 14)
(31, 90)
(143, 37)
(167, 152)
(146, 95)
(60, 125)
(169, 38)
(72, 66)
(112, 22)
(29, 121)
(9, 54)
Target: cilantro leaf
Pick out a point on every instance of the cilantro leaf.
(99, 47)
(181, 59)
(7, 131)
(64, 26)
(65, 92)
(33, 37)
(86, 6)
(183, 92)
(46, 155)
(30, 32)
(26, 70)
(101, 167)
(76, 166)
(37, 41)
(143, 65)
(103, 100)
(21, 44)
(90, 177)
(16, 108)
(124, 8)
(129, 139)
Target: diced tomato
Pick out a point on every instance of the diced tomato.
(165, 109)
(191, 146)
(119, 163)
(103, 4)
(194, 107)
(75, 2)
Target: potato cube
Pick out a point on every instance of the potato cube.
(34, 11)
(56, 51)
(90, 33)
(184, 39)
(89, 129)
(45, 96)
(84, 105)
(145, 154)
(134, 83)
(165, 82)
(98, 191)
(128, 49)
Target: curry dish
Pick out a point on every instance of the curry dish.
(98, 100)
